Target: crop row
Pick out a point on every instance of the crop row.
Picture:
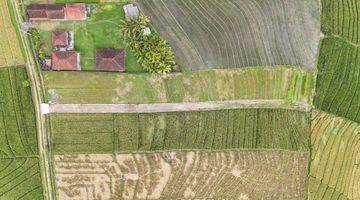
(10, 52)
(280, 82)
(235, 33)
(338, 80)
(223, 129)
(235, 174)
(341, 18)
(334, 171)
(17, 117)
(20, 179)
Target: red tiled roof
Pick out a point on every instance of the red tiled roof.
(45, 11)
(60, 38)
(110, 60)
(65, 60)
(75, 11)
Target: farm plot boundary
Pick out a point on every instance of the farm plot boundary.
(177, 174)
(280, 82)
(334, 170)
(220, 129)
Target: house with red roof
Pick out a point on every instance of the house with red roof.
(110, 60)
(69, 11)
(60, 38)
(65, 61)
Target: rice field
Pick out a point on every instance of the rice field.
(338, 80)
(17, 115)
(334, 171)
(222, 129)
(237, 174)
(280, 82)
(10, 51)
(20, 179)
(211, 34)
(341, 19)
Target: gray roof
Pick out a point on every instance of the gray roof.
(131, 11)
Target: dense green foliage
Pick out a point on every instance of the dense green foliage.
(20, 179)
(36, 39)
(214, 85)
(341, 18)
(334, 171)
(223, 129)
(17, 117)
(151, 50)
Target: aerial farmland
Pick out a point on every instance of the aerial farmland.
(179, 99)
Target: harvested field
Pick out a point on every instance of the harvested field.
(17, 117)
(334, 171)
(20, 179)
(338, 81)
(10, 51)
(210, 34)
(341, 19)
(215, 85)
(222, 129)
(241, 174)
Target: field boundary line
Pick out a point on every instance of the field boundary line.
(174, 107)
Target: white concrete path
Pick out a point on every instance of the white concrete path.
(172, 107)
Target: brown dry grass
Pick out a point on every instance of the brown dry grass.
(242, 174)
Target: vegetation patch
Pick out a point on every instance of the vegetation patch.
(335, 144)
(20, 178)
(222, 129)
(338, 80)
(10, 51)
(17, 117)
(236, 174)
(215, 85)
(227, 34)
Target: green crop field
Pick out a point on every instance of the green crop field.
(334, 171)
(341, 19)
(100, 31)
(236, 33)
(20, 179)
(215, 85)
(338, 87)
(17, 117)
(222, 129)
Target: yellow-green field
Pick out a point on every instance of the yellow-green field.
(10, 51)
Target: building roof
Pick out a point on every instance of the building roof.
(60, 38)
(131, 11)
(75, 11)
(65, 60)
(110, 60)
(45, 11)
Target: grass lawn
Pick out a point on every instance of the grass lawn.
(100, 31)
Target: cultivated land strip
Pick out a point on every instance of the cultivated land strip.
(335, 164)
(220, 129)
(175, 107)
(235, 174)
(36, 91)
(277, 82)
(210, 34)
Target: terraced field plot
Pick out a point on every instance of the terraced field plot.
(341, 19)
(223, 129)
(241, 174)
(10, 52)
(335, 161)
(215, 85)
(210, 34)
(17, 117)
(20, 178)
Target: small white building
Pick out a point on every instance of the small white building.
(147, 31)
(131, 11)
